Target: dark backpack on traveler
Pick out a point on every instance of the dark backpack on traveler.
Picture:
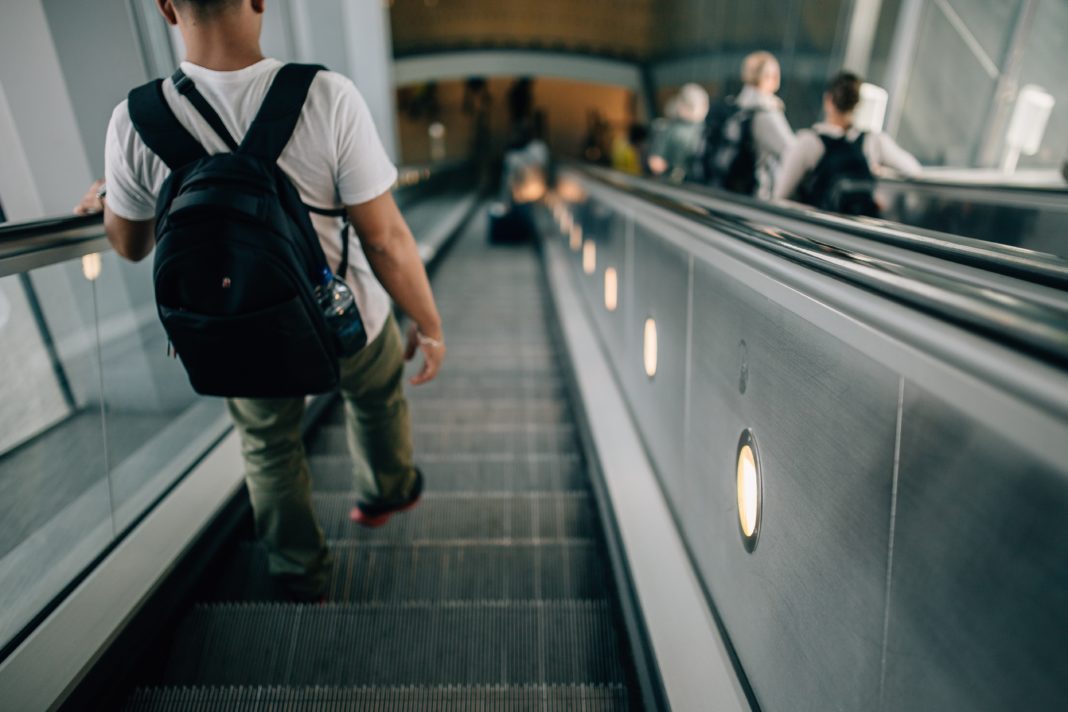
(842, 182)
(237, 258)
(728, 156)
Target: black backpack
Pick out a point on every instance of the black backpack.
(728, 157)
(842, 182)
(237, 259)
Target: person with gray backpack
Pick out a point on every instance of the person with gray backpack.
(245, 174)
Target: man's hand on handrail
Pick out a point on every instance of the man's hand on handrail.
(91, 202)
(132, 239)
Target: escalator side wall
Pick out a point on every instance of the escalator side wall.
(894, 506)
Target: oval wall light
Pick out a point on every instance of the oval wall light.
(611, 289)
(749, 488)
(649, 347)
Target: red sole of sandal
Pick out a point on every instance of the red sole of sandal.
(376, 520)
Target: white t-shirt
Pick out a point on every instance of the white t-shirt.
(334, 158)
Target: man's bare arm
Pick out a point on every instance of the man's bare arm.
(394, 257)
(132, 239)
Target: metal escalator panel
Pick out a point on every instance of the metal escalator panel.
(494, 593)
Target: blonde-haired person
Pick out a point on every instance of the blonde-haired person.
(677, 136)
(772, 135)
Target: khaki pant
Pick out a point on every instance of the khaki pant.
(276, 470)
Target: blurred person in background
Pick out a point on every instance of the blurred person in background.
(745, 136)
(677, 137)
(628, 150)
(833, 165)
(771, 132)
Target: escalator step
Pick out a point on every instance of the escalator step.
(468, 473)
(492, 438)
(468, 516)
(387, 573)
(474, 411)
(489, 386)
(469, 643)
(496, 698)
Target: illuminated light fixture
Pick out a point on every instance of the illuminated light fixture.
(611, 289)
(750, 490)
(576, 237)
(589, 257)
(91, 266)
(649, 348)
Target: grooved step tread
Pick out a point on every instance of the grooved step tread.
(439, 516)
(435, 439)
(477, 412)
(447, 571)
(488, 698)
(489, 386)
(468, 473)
(471, 643)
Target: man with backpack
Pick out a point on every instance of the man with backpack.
(833, 165)
(745, 136)
(244, 174)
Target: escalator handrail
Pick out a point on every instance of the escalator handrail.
(1017, 262)
(48, 241)
(943, 182)
(1039, 329)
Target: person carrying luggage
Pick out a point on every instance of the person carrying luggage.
(745, 136)
(243, 174)
(833, 165)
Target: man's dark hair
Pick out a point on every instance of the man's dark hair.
(844, 90)
(207, 8)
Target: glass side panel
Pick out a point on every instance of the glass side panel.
(56, 508)
(156, 424)
(991, 22)
(97, 422)
(949, 95)
(1043, 64)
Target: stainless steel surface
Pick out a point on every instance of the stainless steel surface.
(979, 592)
(686, 647)
(824, 419)
(915, 473)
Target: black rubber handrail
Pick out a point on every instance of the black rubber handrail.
(1017, 262)
(944, 182)
(36, 236)
(1036, 328)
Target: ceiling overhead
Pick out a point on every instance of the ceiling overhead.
(632, 29)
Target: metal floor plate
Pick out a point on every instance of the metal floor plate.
(433, 643)
(493, 698)
(438, 571)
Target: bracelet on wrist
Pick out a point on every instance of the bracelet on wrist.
(425, 340)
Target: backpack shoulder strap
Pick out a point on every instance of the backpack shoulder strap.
(159, 128)
(273, 126)
(187, 88)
